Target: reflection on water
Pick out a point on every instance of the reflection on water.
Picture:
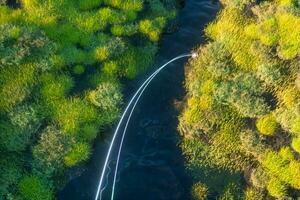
(151, 165)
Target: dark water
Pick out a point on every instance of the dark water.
(151, 166)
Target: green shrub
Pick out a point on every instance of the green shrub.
(267, 125)
(251, 144)
(49, 153)
(276, 188)
(107, 96)
(199, 191)
(231, 192)
(15, 85)
(33, 188)
(295, 126)
(12, 138)
(78, 69)
(125, 5)
(252, 194)
(286, 153)
(226, 150)
(55, 87)
(124, 30)
(152, 28)
(88, 132)
(259, 178)
(71, 113)
(79, 152)
(10, 173)
(243, 92)
(137, 60)
(89, 4)
(296, 144)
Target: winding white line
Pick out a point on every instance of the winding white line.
(128, 120)
(141, 88)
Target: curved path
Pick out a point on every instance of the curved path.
(151, 165)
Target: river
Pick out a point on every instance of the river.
(152, 165)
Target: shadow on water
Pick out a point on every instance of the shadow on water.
(152, 165)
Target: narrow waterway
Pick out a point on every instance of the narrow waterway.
(152, 165)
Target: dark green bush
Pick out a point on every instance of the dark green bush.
(33, 188)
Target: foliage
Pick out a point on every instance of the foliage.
(61, 67)
(267, 125)
(296, 144)
(33, 188)
(10, 173)
(79, 152)
(12, 138)
(276, 188)
(244, 86)
(49, 153)
(253, 194)
(199, 191)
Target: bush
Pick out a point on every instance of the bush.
(88, 132)
(252, 194)
(152, 28)
(286, 153)
(199, 191)
(79, 152)
(276, 188)
(33, 188)
(70, 114)
(244, 94)
(78, 69)
(267, 125)
(12, 138)
(15, 85)
(231, 192)
(89, 4)
(55, 88)
(296, 144)
(107, 96)
(226, 150)
(259, 178)
(10, 173)
(49, 153)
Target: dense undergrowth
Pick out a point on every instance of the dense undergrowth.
(242, 115)
(62, 64)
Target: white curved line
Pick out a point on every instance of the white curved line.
(121, 120)
(129, 117)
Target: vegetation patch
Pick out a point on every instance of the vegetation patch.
(63, 64)
(241, 116)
